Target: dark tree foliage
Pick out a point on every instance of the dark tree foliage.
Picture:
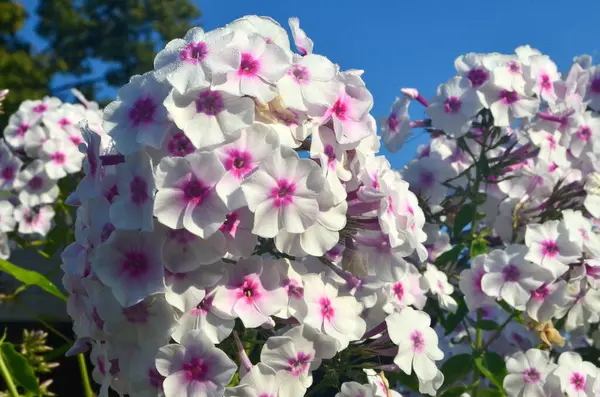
(122, 34)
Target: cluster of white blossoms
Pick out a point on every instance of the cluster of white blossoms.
(242, 195)
(39, 147)
(525, 141)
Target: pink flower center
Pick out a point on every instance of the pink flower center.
(194, 53)
(249, 290)
(205, 305)
(550, 248)
(195, 191)
(106, 232)
(584, 133)
(299, 364)
(541, 293)
(294, 288)
(196, 370)
(418, 341)
(8, 173)
(64, 122)
(231, 224)
(577, 381)
(511, 273)
(137, 314)
(531, 375)
(300, 74)
(283, 193)
(142, 111)
(514, 67)
(179, 145)
(101, 366)
(477, 77)
(35, 183)
(427, 179)
(327, 311)
(155, 379)
(595, 85)
(551, 142)
(248, 66)
(330, 153)
(545, 82)
(58, 158)
(509, 97)
(41, 108)
(238, 162)
(112, 193)
(452, 105)
(340, 109)
(22, 129)
(398, 289)
(139, 190)
(210, 103)
(31, 217)
(76, 140)
(135, 264)
(96, 318)
(393, 123)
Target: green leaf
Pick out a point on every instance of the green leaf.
(463, 218)
(456, 368)
(489, 393)
(409, 381)
(19, 368)
(31, 277)
(487, 325)
(449, 256)
(235, 380)
(454, 319)
(478, 247)
(492, 366)
(455, 391)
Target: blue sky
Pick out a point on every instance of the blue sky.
(414, 43)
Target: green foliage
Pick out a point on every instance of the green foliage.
(464, 217)
(125, 34)
(454, 319)
(457, 368)
(19, 368)
(30, 277)
(492, 366)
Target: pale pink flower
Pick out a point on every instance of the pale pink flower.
(417, 342)
(527, 373)
(549, 246)
(194, 368)
(133, 207)
(138, 116)
(251, 292)
(576, 376)
(283, 193)
(262, 64)
(209, 117)
(186, 194)
(334, 315)
(189, 63)
(130, 264)
(295, 355)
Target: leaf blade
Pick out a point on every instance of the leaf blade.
(31, 277)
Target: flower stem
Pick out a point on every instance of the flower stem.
(85, 379)
(10, 385)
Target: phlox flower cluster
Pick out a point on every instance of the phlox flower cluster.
(40, 146)
(243, 202)
(514, 148)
